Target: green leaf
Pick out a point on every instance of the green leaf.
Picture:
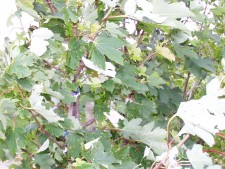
(109, 85)
(76, 51)
(171, 10)
(80, 164)
(69, 13)
(25, 83)
(114, 29)
(44, 161)
(89, 13)
(20, 71)
(55, 130)
(109, 46)
(74, 145)
(20, 66)
(127, 75)
(220, 10)
(101, 157)
(98, 59)
(199, 65)
(27, 6)
(7, 105)
(183, 51)
(153, 137)
(155, 80)
(11, 141)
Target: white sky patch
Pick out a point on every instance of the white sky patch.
(6, 9)
(109, 70)
(130, 25)
(91, 143)
(114, 117)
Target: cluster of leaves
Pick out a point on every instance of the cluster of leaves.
(136, 79)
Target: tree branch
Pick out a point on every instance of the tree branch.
(42, 129)
(184, 140)
(140, 38)
(45, 131)
(215, 151)
(51, 6)
(148, 57)
(89, 122)
(57, 68)
(185, 86)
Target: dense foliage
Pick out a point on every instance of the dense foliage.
(109, 84)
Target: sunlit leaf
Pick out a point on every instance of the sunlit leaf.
(44, 146)
(153, 137)
(165, 52)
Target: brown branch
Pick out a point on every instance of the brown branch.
(140, 38)
(160, 164)
(148, 57)
(57, 68)
(106, 17)
(215, 151)
(27, 152)
(45, 131)
(89, 122)
(79, 69)
(51, 6)
(184, 140)
(221, 135)
(75, 31)
(185, 86)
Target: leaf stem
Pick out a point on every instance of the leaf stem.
(168, 130)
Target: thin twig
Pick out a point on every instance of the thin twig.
(89, 122)
(45, 131)
(215, 151)
(140, 38)
(40, 126)
(148, 57)
(184, 140)
(106, 16)
(51, 6)
(192, 91)
(57, 68)
(185, 86)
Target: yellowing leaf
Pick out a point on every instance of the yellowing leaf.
(165, 52)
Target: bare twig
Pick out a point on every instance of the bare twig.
(57, 68)
(192, 91)
(89, 122)
(106, 16)
(185, 86)
(184, 140)
(148, 57)
(215, 151)
(51, 6)
(41, 127)
(45, 131)
(140, 38)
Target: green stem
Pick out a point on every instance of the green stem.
(168, 130)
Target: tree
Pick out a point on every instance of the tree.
(110, 83)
